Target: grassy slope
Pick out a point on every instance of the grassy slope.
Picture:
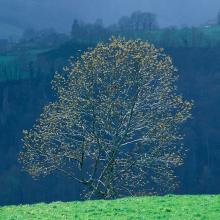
(147, 208)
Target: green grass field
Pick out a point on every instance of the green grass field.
(147, 208)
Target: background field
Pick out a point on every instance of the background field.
(147, 208)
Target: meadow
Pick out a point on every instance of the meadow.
(170, 207)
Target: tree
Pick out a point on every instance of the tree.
(143, 21)
(149, 21)
(92, 32)
(116, 124)
(138, 21)
(77, 30)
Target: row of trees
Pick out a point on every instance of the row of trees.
(138, 21)
(138, 24)
(166, 37)
(142, 25)
(92, 32)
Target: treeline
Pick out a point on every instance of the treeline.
(139, 24)
(145, 25)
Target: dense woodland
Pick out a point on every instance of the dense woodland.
(27, 67)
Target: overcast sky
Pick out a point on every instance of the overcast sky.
(60, 13)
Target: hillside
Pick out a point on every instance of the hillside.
(155, 207)
(199, 80)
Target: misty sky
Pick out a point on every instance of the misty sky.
(60, 13)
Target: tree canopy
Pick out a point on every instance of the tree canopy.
(116, 124)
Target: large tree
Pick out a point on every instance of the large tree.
(116, 124)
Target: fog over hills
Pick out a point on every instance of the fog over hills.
(59, 14)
